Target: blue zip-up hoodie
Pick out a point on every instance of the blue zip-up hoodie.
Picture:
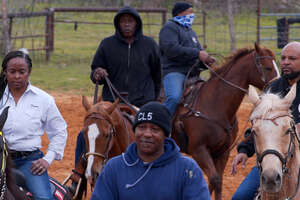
(170, 177)
(179, 48)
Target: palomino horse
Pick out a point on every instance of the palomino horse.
(107, 133)
(207, 127)
(277, 145)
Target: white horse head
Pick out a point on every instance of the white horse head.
(274, 136)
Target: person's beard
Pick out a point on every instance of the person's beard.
(291, 76)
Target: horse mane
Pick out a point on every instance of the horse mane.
(269, 103)
(230, 60)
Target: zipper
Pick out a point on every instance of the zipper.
(128, 66)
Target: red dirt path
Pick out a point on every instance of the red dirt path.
(73, 112)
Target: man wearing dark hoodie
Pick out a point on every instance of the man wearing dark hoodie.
(180, 50)
(152, 167)
(129, 59)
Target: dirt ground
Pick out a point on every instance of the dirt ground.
(73, 112)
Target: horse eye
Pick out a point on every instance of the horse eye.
(289, 131)
(268, 69)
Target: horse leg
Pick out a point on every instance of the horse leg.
(220, 164)
(206, 163)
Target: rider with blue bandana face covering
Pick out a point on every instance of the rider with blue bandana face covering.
(180, 50)
(186, 20)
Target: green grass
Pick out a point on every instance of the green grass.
(69, 67)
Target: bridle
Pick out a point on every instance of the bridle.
(3, 167)
(259, 67)
(112, 133)
(284, 159)
(257, 64)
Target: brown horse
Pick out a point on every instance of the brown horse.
(277, 145)
(207, 128)
(107, 133)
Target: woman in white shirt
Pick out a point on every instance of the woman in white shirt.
(31, 113)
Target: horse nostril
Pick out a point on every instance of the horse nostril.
(278, 178)
(263, 179)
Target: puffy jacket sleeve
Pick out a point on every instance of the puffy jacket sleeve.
(105, 188)
(155, 66)
(169, 43)
(99, 60)
(195, 186)
(247, 146)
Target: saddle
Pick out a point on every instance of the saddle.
(59, 191)
(127, 112)
(191, 88)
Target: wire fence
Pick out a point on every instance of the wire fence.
(221, 25)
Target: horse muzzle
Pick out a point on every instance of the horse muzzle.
(271, 181)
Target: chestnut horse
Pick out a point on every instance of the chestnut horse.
(107, 133)
(276, 145)
(207, 128)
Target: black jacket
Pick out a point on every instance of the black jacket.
(134, 68)
(179, 48)
(282, 87)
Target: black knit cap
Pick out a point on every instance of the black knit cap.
(180, 7)
(155, 113)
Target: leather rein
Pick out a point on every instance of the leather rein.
(291, 149)
(98, 115)
(197, 113)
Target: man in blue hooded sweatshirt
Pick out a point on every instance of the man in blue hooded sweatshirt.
(152, 167)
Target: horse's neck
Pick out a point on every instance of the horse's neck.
(123, 136)
(226, 98)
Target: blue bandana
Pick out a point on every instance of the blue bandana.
(185, 21)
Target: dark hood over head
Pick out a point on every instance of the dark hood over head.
(135, 14)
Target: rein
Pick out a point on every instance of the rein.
(3, 167)
(197, 113)
(290, 153)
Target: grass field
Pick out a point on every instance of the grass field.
(69, 67)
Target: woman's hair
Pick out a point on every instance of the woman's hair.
(7, 58)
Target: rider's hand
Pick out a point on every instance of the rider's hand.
(206, 58)
(39, 166)
(99, 74)
(239, 158)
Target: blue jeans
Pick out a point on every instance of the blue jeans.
(80, 147)
(173, 86)
(249, 186)
(38, 185)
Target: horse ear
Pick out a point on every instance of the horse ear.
(112, 107)
(257, 48)
(289, 98)
(86, 103)
(253, 96)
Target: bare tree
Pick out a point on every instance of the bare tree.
(5, 27)
(231, 25)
